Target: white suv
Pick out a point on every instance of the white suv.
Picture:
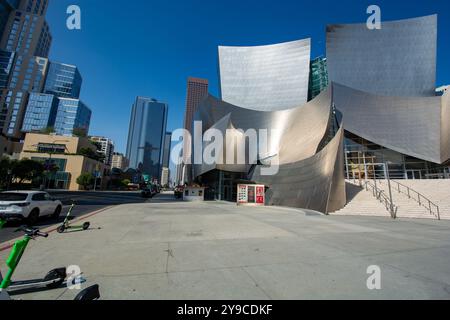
(29, 205)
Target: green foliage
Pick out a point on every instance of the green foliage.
(48, 130)
(19, 171)
(85, 180)
(126, 182)
(27, 169)
(88, 152)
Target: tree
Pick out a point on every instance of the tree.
(85, 180)
(27, 170)
(88, 152)
(5, 167)
(48, 130)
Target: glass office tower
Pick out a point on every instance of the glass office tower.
(63, 80)
(72, 115)
(41, 112)
(6, 64)
(146, 136)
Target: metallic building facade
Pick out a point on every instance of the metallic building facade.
(146, 136)
(265, 78)
(384, 82)
(307, 143)
(397, 60)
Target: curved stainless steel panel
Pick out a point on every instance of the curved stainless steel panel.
(398, 60)
(300, 130)
(265, 78)
(316, 183)
(307, 178)
(417, 127)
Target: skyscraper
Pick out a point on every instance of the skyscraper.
(106, 148)
(6, 7)
(63, 80)
(146, 136)
(73, 117)
(167, 145)
(41, 112)
(26, 35)
(318, 77)
(62, 86)
(197, 90)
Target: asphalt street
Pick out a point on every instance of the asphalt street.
(86, 203)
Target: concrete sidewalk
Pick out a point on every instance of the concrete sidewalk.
(176, 250)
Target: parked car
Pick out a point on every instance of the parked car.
(28, 205)
(179, 192)
(146, 193)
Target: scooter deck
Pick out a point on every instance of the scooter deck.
(21, 285)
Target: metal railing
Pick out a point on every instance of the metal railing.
(381, 196)
(419, 198)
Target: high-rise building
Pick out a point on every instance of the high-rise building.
(6, 65)
(167, 145)
(41, 112)
(318, 77)
(146, 136)
(197, 90)
(165, 177)
(63, 80)
(6, 7)
(73, 117)
(106, 148)
(26, 35)
(65, 116)
(119, 161)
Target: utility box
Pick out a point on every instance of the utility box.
(194, 194)
(251, 195)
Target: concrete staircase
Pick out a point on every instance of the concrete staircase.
(363, 202)
(438, 191)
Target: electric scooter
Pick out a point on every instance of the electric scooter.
(66, 224)
(6, 286)
(52, 280)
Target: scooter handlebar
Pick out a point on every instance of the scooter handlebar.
(42, 234)
(33, 232)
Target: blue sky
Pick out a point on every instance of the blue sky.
(149, 48)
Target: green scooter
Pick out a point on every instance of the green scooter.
(66, 224)
(54, 279)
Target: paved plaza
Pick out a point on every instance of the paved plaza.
(165, 249)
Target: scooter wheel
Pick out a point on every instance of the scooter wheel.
(61, 229)
(86, 225)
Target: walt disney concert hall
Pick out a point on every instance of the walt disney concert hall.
(367, 110)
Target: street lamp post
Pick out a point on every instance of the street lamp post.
(393, 215)
(9, 179)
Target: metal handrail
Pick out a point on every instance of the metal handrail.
(421, 199)
(382, 197)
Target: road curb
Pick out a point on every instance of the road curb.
(9, 244)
